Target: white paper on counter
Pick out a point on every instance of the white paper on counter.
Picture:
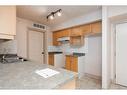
(46, 73)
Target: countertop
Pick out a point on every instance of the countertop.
(55, 52)
(76, 54)
(22, 75)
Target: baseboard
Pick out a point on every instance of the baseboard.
(93, 76)
(112, 81)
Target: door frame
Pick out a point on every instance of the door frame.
(31, 29)
(113, 50)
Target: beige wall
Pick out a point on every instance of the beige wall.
(94, 53)
(49, 37)
(21, 37)
(87, 18)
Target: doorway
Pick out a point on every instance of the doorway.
(35, 49)
(121, 54)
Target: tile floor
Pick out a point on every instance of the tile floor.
(117, 87)
(89, 83)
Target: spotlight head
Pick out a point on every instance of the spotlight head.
(59, 13)
(51, 17)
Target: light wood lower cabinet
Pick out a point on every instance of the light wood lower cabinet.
(68, 63)
(75, 64)
(71, 63)
(51, 59)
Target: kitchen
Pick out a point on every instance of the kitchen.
(74, 43)
(67, 46)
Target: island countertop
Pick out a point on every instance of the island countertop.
(22, 75)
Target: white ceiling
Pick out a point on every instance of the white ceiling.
(39, 13)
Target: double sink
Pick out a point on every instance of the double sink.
(10, 58)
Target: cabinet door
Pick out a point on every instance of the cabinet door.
(74, 64)
(76, 31)
(68, 63)
(66, 33)
(86, 29)
(96, 27)
(55, 37)
(51, 59)
(59, 34)
(77, 40)
(8, 20)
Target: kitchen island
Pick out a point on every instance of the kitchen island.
(21, 75)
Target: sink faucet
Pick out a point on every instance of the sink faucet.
(3, 59)
(4, 54)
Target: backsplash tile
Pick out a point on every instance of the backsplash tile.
(70, 49)
(8, 47)
(54, 48)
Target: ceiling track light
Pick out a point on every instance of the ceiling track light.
(52, 14)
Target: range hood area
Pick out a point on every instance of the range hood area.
(63, 39)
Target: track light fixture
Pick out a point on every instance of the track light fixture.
(52, 14)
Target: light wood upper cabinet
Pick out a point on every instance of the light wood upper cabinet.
(59, 34)
(8, 20)
(76, 31)
(77, 35)
(77, 40)
(65, 33)
(86, 29)
(55, 37)
(96, 27)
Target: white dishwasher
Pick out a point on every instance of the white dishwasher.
(59, 60)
